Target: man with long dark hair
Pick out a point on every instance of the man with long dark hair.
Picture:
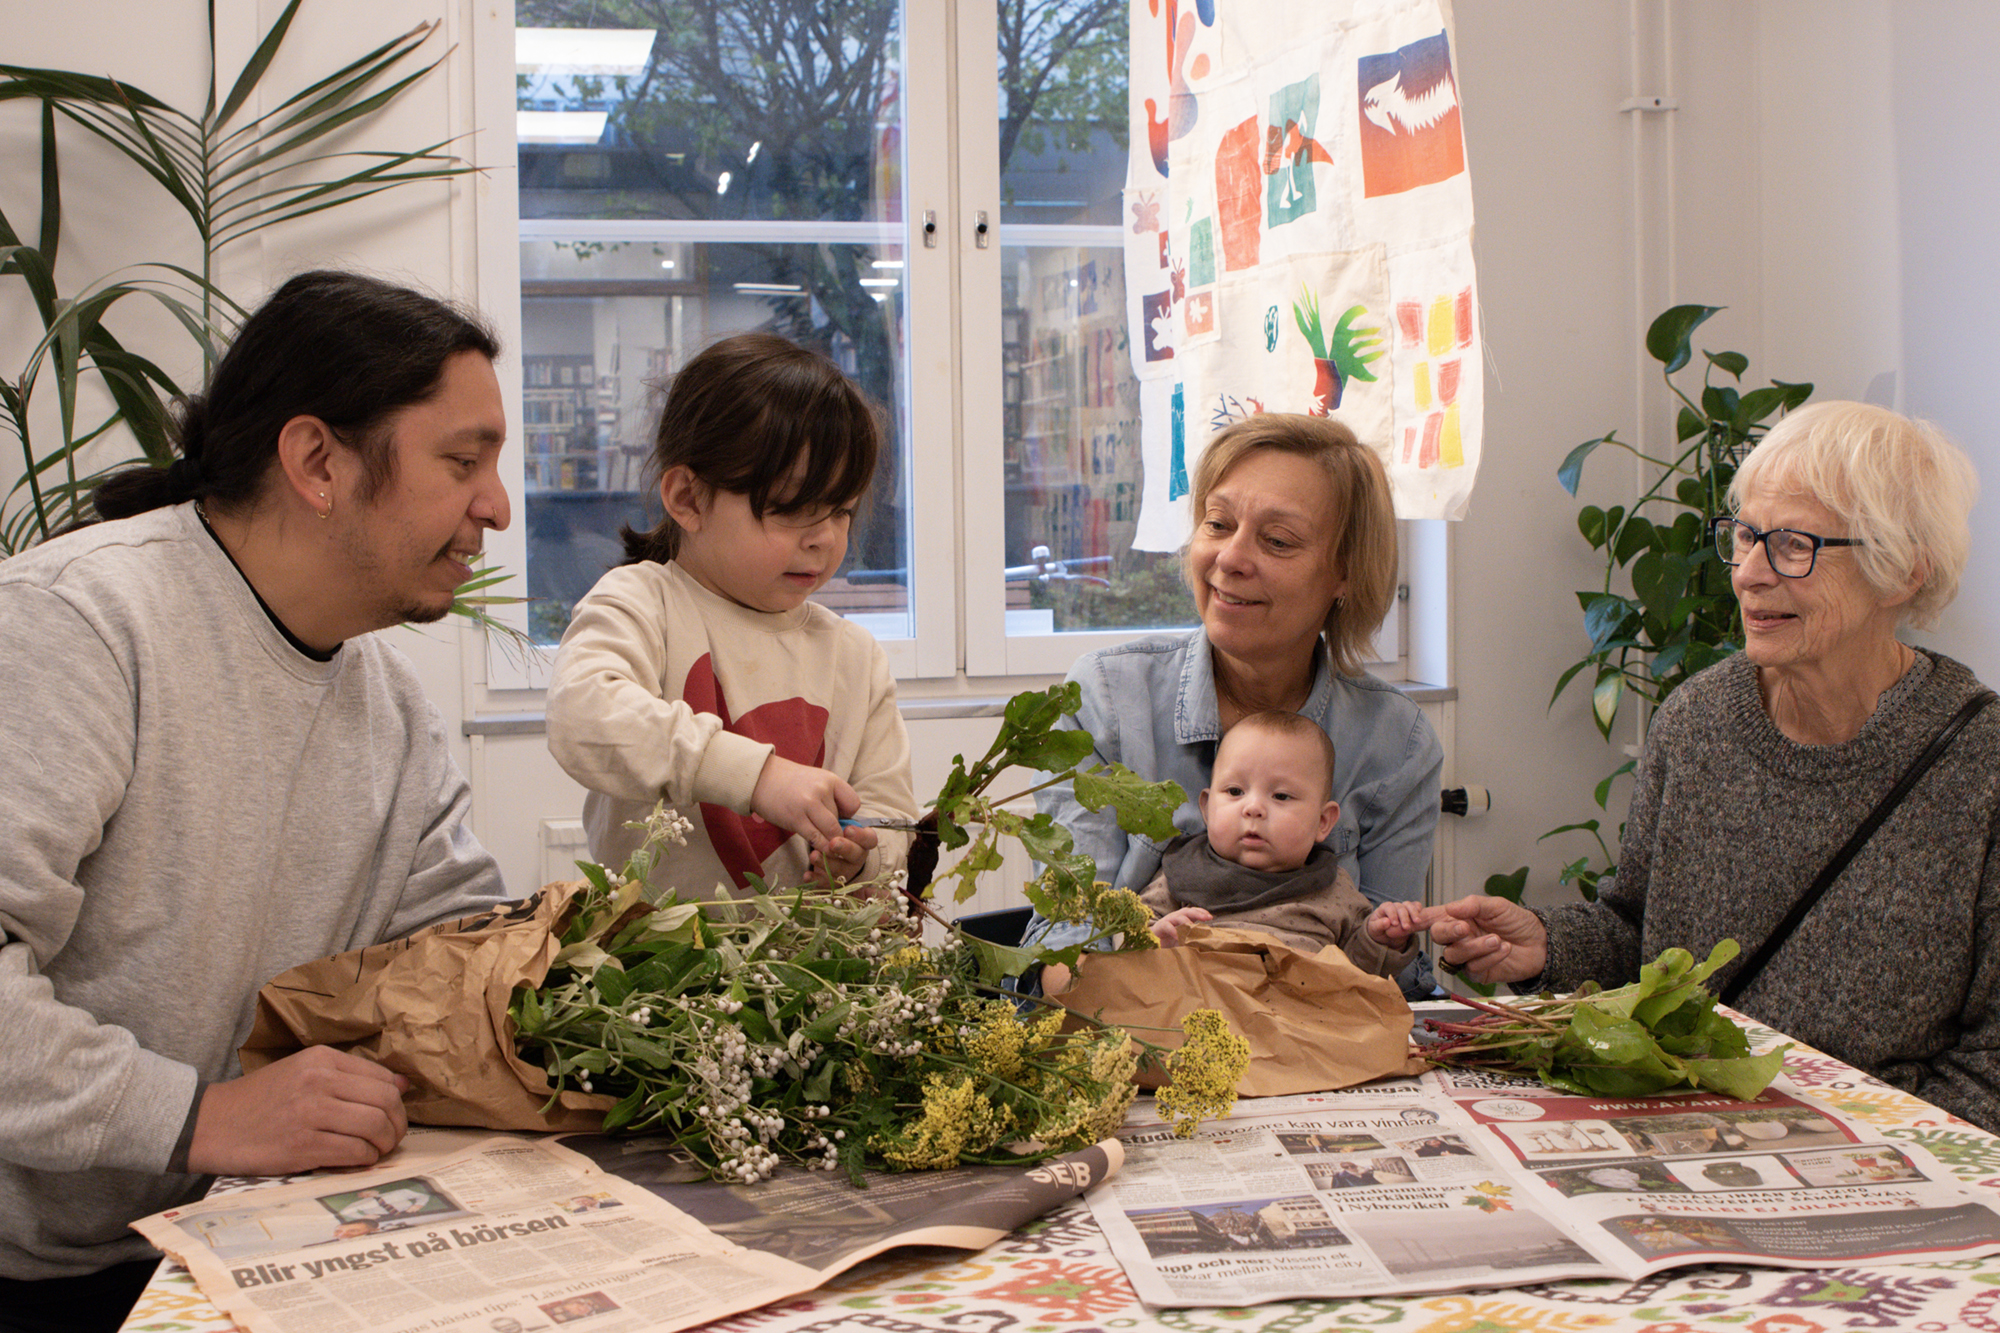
(214, 772)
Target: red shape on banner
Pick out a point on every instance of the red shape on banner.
(1239, 195)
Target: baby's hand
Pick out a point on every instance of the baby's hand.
(1167, 930)
(803, 800)
(1393, 922)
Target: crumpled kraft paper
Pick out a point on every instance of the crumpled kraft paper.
(1314, 1021)
(433, 1007)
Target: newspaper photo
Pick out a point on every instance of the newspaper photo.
(459, 1231)
(1453, 1181)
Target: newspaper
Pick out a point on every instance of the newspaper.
(1451, 1181)
(504, 1234)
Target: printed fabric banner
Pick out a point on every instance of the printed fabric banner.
(1299, 239)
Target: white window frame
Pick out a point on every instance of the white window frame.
(953, 376)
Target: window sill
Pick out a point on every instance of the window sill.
(913, 710)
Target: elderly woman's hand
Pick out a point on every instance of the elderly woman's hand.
(1490, 939)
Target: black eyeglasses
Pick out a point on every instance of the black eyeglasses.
(1790, 553)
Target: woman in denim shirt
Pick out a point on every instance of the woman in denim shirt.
(1293, 567)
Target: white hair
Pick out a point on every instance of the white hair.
(1899, 484)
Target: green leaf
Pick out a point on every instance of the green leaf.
(1568, 676)
(1587, 826)
(1761, 403)
(1795, 394)
(1605, 697)
(981, 856)
(1667, 338)
(1636, 536)
(1602, 793)
(1667, 659)
(1570, 471)
(1744, 1078)
(1143, 807)
(1659, 577)
(999, 960)
(625, 1111)
(260, 60)
(527, 1013)
(1721, 403)
(1734, 363)
(1510, 886)
(1688, 424)
(1590, 522)
(1604, 614)
(613, 984)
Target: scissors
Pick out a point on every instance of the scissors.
(879, 821)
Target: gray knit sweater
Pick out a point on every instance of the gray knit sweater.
(191, 807)
(1895, 970)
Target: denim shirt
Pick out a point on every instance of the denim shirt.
(1151, 705)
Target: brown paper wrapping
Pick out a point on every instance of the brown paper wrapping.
(1314, 1021)
(433, 1008)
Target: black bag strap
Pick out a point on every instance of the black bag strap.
(1744, 975)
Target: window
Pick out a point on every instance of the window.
(926, 191)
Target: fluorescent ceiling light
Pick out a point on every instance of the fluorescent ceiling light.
(603, 51)
(881, 282)
(559, 126)
(886, 263)
(770, 289)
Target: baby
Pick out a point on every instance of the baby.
(1261, 865)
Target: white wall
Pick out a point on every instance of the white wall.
(1828, 177)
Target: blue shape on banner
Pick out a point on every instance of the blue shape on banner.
(1177, 474)
(1290, 149)
(1201, 253)
(1271, 327)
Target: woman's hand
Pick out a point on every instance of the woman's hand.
(1490, 939)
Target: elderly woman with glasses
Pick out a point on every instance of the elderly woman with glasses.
(1850, 521)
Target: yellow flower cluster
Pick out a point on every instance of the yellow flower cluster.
(957, 1121)
(1204, 1072)
(1120, 910)
(997, 1042)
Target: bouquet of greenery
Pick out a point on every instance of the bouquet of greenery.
(1661, 1033)
(810, 1025)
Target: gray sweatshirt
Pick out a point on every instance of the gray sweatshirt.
(192, 806)
(1895, 970)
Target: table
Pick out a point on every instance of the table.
(1058, 1275)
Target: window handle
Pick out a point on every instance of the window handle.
(930, 229)
(980, 230)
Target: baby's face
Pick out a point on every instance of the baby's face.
(1267, 801)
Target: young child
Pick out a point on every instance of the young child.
(1269, 802)
(697, 670)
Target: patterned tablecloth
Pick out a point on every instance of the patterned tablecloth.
(1058, 1275)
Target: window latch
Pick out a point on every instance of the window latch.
(930, 229)
(980, 231)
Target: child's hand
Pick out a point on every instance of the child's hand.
(1167, 930)
(803, 800)
(1393, 922)
(844, 858)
